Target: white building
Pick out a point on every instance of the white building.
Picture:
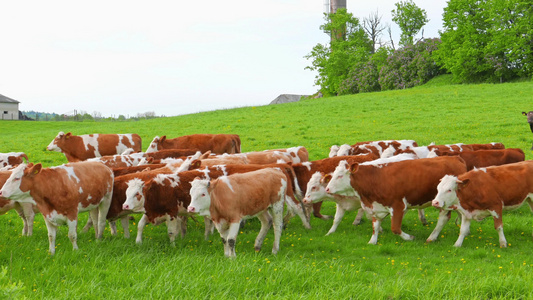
(9, 108)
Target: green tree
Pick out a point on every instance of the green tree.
(487, 40)
(349, 46)
(410, 18)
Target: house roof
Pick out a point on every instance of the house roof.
(4, 99)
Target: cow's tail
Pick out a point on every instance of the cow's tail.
(236, 144)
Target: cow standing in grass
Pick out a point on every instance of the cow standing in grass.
(229, 199)
(60, 193)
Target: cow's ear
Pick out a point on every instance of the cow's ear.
(524, 113)
(354, 167)
(150, 160)
(68, 135)
(209, 184)
(462, 183)
(35, 169)
(326, 178)
(163, 138)
(205, 154)
(195, 164)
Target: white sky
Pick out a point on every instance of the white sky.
(168, 57)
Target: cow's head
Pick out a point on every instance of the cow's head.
(134, 196)
(344, 150)
(529, 119)
(58, 143)
(340, 179)
(200, 197)
(316, 188)
(154, 145)
(333, 150)
(447, 192)
(18, 185)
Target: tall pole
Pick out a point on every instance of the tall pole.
(333, 6)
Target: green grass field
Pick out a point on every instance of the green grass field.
(309, 265)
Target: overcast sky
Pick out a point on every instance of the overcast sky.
(168, 57)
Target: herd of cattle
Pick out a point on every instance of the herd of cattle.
(207, 175)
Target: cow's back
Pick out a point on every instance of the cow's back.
(112, 144)
(246, 194)
(216, 143)
(415, 180)
(510, 184)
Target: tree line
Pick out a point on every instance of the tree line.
(83, 116)
(481, 41)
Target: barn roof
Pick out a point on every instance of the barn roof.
(4, 99)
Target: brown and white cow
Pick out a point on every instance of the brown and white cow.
(11, 160)
(60, 193)
(121, 161)
(229, 199)
(171, 153)
(305, 170)
(216, 143)
(485, 192)
(395, 187)
(173, 190)
(26, 211)
(349, 200)
(294, 154)
(376, 147)
(81, 147)
(487, 158)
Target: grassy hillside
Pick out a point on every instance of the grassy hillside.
(309, 264)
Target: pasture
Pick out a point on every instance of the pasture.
(309, 264)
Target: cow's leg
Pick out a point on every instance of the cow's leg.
(299, 209)
(93, 214)
(172, 228)
(20, 212)
(444, 217)
(266, 222)
(359, 217)
(209, 227)
(182, 226)
(339, 213)
(396, 223)
(465, 229)
(88, 225)
(277, 220)
(30, 216)
(232, 238)
(52, 230)
(113, 227)
(140, 228)
(222, 229)
(422, 216)
(376, 225)
(316, 211)
(103, 208)
(498, 225)
(125, 222)
(72, 235)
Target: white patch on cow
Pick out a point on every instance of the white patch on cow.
(340, 179)
(11, 188)
(446, 193)
(283, 188)
(153, 145)
(432, 153)
(226, 180)
(121, 147)
(200, 198)
(221, 168)
(174, 179)
(389, 152)
(344, 150)
(378, 210)
(53, 146)
(135, 188)
(333, 150)
(421, 152)
(92, 141)
(56, 218)
(308, 165)
(70, 172)
(380, 162)
(80, 190)
(294, 150)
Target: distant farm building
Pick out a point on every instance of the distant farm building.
(9, 108)
(286, 98)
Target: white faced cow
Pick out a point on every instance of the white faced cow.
(485, 192)
(60, 193)
(229, 199)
